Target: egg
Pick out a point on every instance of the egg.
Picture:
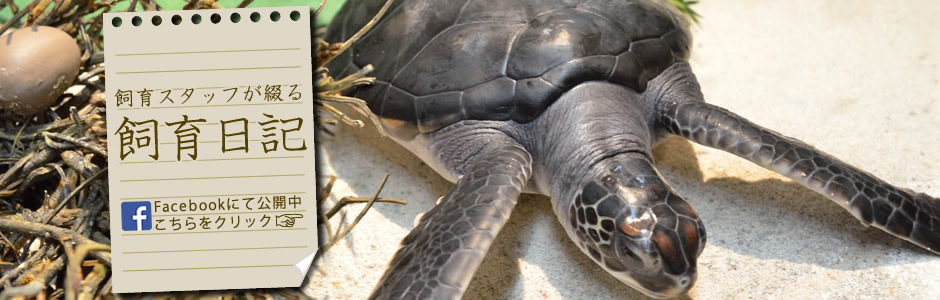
(37, 64)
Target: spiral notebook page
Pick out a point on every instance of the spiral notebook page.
(211, 151)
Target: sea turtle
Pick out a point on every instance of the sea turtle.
(566, 99)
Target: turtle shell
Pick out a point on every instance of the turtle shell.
(438, 62)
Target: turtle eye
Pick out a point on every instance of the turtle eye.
(638, 225)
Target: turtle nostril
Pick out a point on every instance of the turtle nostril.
(686, 282)
(631, 254)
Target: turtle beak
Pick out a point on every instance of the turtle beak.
(649, 274)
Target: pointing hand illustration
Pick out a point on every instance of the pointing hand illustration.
(287, 220)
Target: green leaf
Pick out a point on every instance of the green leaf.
(686, 8)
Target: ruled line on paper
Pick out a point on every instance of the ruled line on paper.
(209, 51)
(210, 177)
(231, 213)
(207, 268)
(213, 159)
(198, 88)
(207, 250)
(199, 106)
(220, 87)
(200, 196)
(207, 70)
(216, 231)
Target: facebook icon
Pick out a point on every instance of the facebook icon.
(135, 216)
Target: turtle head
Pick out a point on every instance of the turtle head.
(632, 224)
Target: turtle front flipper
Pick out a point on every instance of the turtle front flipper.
(909, 215)
(439, 257)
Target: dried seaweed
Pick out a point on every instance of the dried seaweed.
(329, 91)
(341, 232)
(53, 187)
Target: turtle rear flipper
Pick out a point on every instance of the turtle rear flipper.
(439, 257)
(914, 217)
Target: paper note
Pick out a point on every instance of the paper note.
(211, 151)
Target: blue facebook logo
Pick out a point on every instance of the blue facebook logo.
(135, 216)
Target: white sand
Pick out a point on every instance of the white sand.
(861, 82)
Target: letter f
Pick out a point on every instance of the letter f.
(139, 217)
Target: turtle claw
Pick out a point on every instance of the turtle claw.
(420, 216)
(418, 219)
